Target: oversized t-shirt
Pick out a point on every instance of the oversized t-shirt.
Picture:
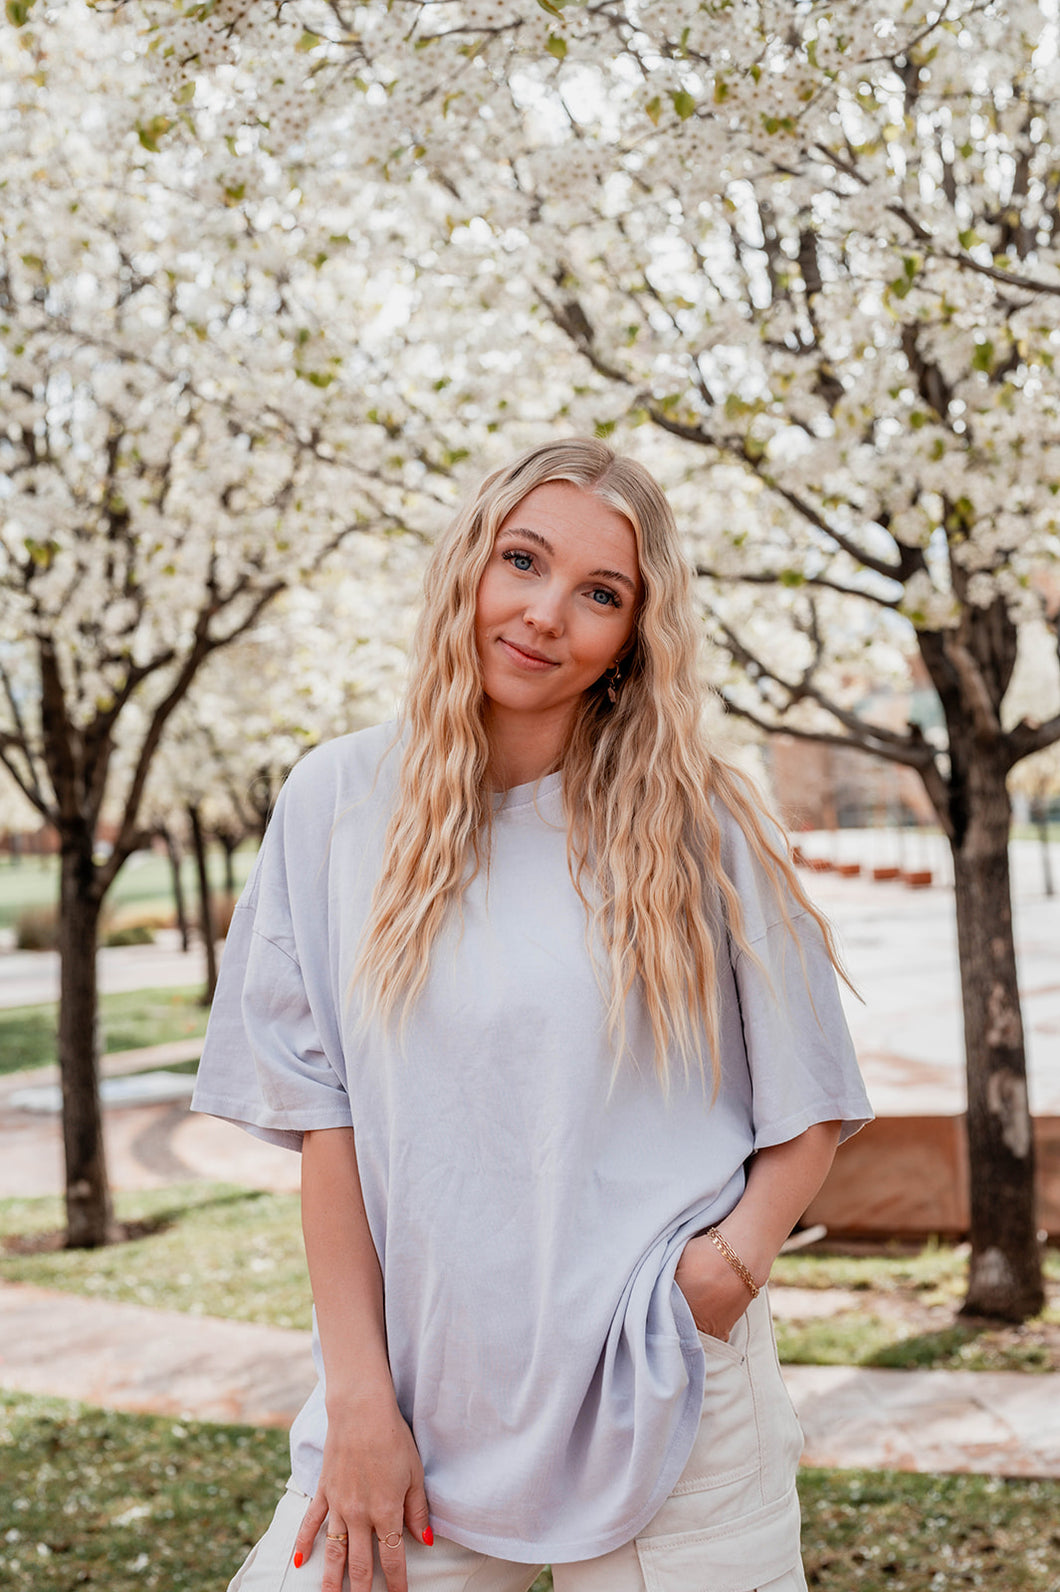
(528, 1201)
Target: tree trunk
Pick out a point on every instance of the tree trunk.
(1005, 1278)
(89, 1213)
(179, 903)
(209, 938)
(228, 846)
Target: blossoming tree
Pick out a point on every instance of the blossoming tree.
(814, 249)
(183, 440)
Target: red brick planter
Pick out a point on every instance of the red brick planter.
(918, 879)
(848, 870)
(886, 873)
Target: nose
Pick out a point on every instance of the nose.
(544, 610)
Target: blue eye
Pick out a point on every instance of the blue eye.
(603, 597)
(523, 562)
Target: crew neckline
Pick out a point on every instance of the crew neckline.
(525, 795)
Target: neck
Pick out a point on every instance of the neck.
(524, 747)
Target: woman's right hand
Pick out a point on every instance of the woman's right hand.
(371, 1484)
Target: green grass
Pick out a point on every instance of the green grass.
(129, 1020)
(143, 882)
(864, 1531)
(216, 1250)
(854, 1339)
(93, 1498)
(96, 1499)
(934, 1276)
(935, 1270)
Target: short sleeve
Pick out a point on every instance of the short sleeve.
(269, 1060)
(799, 1051)
(800, 1054)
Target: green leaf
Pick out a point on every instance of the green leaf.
(983, 358)
(151, 132)
(557, 46)
(684, 104)
(968, 238)
(552, 9)
(792, 578)
(41, 553)
(604, 428)
(17, 11)
(308, 41)
(653, 110)
(185, 94)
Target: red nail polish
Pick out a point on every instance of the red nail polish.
(298, 1560)
(428, 1537)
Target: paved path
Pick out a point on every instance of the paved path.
(149, 1145)
(128, 1357)
(31, 978)
(900, 948)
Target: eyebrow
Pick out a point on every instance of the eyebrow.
(542, 541)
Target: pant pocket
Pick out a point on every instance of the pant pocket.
(722, 1477)
(736, 1555)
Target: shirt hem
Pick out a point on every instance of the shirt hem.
(520, 1551)
(234, 1111)
(853, 1115)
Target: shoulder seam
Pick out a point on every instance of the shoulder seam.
(277, 947)
(778, 923)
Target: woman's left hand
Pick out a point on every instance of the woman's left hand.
(716, 1296)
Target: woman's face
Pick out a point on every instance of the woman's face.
(556, 603)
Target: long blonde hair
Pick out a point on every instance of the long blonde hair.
(639, 780)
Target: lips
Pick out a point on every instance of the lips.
(526, 657)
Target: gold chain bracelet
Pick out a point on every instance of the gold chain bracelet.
(726, 1249)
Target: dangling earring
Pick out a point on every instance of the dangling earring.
(613, 677)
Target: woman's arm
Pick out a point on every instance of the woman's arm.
(781, 1182)
(371, 1481)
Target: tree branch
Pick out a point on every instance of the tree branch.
(203, 645)
(909, 758)
(1026, 738)
(30, 790)
(974, 688)
(804, 690)
(773, 578)
(20, 741)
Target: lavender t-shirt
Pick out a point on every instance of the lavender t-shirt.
(528, 1203)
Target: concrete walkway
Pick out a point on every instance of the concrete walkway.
(131, 1358)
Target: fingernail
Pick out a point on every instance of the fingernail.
(298, 1560)
(428, 1537)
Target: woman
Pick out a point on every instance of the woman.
(533, 987)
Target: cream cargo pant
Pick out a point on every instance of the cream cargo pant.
(731, 1523)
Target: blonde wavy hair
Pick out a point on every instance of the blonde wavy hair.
(640, 783)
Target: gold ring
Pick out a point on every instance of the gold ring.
(337, 1536)
(397, 1535)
